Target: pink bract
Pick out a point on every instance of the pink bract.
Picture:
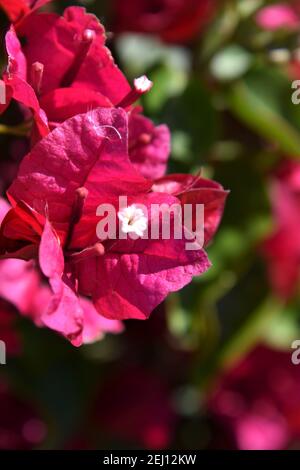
(278, 16)
(17, 10)
(85, 163)
(21, 285)
(82, 77)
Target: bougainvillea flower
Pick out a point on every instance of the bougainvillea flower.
(21, 427)
(84, 163)
(77, 41)
(256, 402)
(82, 77)
(282, 248)
(147, 422)
(17, 87)
(21, 286)
(174, 21)
(149, 146)
(19, 281)
(278, 16)
(16, 10)
(197, 190)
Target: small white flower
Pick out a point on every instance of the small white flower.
(133, 220)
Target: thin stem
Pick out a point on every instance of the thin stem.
(17, 131)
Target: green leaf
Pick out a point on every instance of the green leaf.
(167, 83)
(262, 101)
(192, 117)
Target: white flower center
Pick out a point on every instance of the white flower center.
(143, 84)
(133, 220)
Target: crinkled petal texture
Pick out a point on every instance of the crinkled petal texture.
(132, 285)
(77, 63)
(19, 280)
(90, 151)
(57, 308)
(83, 77)
(17, 86)
(66, 313)
(196, 190)
(149, 146)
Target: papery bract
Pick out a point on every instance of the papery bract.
(14, 9)
(197, 190)
(82, 77)
(17, 10)
(149, 146)
(86, 164)
(21, 285)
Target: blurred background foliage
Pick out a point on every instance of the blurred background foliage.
(226, 97)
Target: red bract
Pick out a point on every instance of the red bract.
(172, 20)
(17, 86)
(17, 10)
(82, 77)
(149, 146)
(196, 190)
(256, 403)
(82, 62)
(80, 165)
(14, 9)
(282, 248)
(21, 285)
(7, 315)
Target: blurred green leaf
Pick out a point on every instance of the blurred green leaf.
(139, 53)
(230, 63)
(192, 116)
(168, 82)
(262, 101)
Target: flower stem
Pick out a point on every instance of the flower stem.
(18, 131)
